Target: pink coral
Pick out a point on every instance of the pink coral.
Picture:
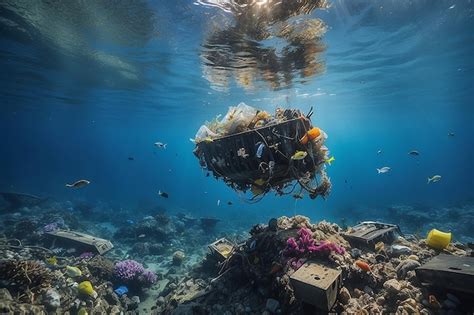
(305, 244)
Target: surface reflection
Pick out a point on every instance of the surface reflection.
(265, 43)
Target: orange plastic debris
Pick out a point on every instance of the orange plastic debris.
(313, 133)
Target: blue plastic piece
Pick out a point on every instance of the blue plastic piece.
(260, 148)
(121, 290)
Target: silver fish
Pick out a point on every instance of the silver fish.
(434, 179)
(79, 184)
(383, 170)
(160, 145)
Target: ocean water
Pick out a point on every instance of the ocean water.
(85, 85)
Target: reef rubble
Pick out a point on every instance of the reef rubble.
(168, 263)
(257, 277)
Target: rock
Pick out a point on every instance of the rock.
(357, 293)
(115, 310)
(272, 305)
(405, 266)
(52, 299)
(178, 258)
(397, 250)
(111, 297)
(355, 253)
(368, 290)
(344, 296)
(414, 257)
(380, 300)
(392, 286)
(160, 300)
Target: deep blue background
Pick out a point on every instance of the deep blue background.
(399, 76)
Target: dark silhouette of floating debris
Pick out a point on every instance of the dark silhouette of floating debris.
(281, 151)
(208, 224)
(18, 200)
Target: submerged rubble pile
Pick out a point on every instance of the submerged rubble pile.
(40, 272)
(263, 275)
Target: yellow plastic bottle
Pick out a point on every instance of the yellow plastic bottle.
(437, 239)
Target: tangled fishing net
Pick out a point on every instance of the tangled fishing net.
(251, 150)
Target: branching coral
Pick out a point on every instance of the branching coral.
(25, 275)
(131, 270)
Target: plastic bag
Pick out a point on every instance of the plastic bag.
(204, 133)
(237, 118)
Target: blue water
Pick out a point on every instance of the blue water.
(85, 86)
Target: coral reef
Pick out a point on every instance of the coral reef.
(161, 279)
(134, 274)
(23, 275)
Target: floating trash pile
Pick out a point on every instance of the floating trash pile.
(252, 150)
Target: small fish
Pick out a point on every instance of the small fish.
(241, 152)
(53, 261)
(73, 272)
(298, 196)
(79, 184)
(451, 134)
(218, 202)
(452, 7)
(379, 152)
(207, 174)
(229, 203)
(414, 152)
(130, 221)
(330, 160)
(160, 145)
(130, 158)
(434, 179)
(383, 170)
(141, 236)
(163, 194)
(363, 265)
(299, 155)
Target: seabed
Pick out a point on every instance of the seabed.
(173, 263)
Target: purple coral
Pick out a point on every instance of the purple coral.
(149, 277)
(128, 269)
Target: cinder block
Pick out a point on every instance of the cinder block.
(316, 284)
